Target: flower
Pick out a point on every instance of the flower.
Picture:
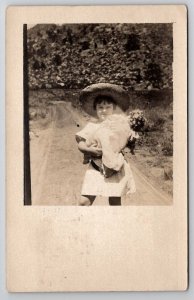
(136, 119)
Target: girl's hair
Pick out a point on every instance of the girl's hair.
(101, 98)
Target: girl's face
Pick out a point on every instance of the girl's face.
(104, 109)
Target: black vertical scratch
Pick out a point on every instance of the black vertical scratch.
(27, 176)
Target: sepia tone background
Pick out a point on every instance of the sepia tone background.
(127, 248)
(62, 60)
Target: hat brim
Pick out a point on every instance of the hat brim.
(89, 94)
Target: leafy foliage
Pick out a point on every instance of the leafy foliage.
(73, 56)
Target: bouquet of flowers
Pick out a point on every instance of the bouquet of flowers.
(136, 119)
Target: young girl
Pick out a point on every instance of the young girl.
(101, 101)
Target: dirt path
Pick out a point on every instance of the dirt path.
(56, 164)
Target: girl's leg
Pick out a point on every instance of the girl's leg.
(114, 200)
(86, 200)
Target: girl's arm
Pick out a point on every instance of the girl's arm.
(132, 140)
(91, 149)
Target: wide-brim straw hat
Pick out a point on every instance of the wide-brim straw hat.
(89, 94)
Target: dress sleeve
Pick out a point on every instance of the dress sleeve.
(85, 133)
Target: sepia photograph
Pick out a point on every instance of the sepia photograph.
(98, 102)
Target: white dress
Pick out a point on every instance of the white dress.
(95, 184)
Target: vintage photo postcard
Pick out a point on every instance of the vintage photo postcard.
(96, 127)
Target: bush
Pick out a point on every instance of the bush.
(167, 146)
(155, 121)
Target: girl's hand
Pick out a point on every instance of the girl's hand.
(89, 149)
(94, 150)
